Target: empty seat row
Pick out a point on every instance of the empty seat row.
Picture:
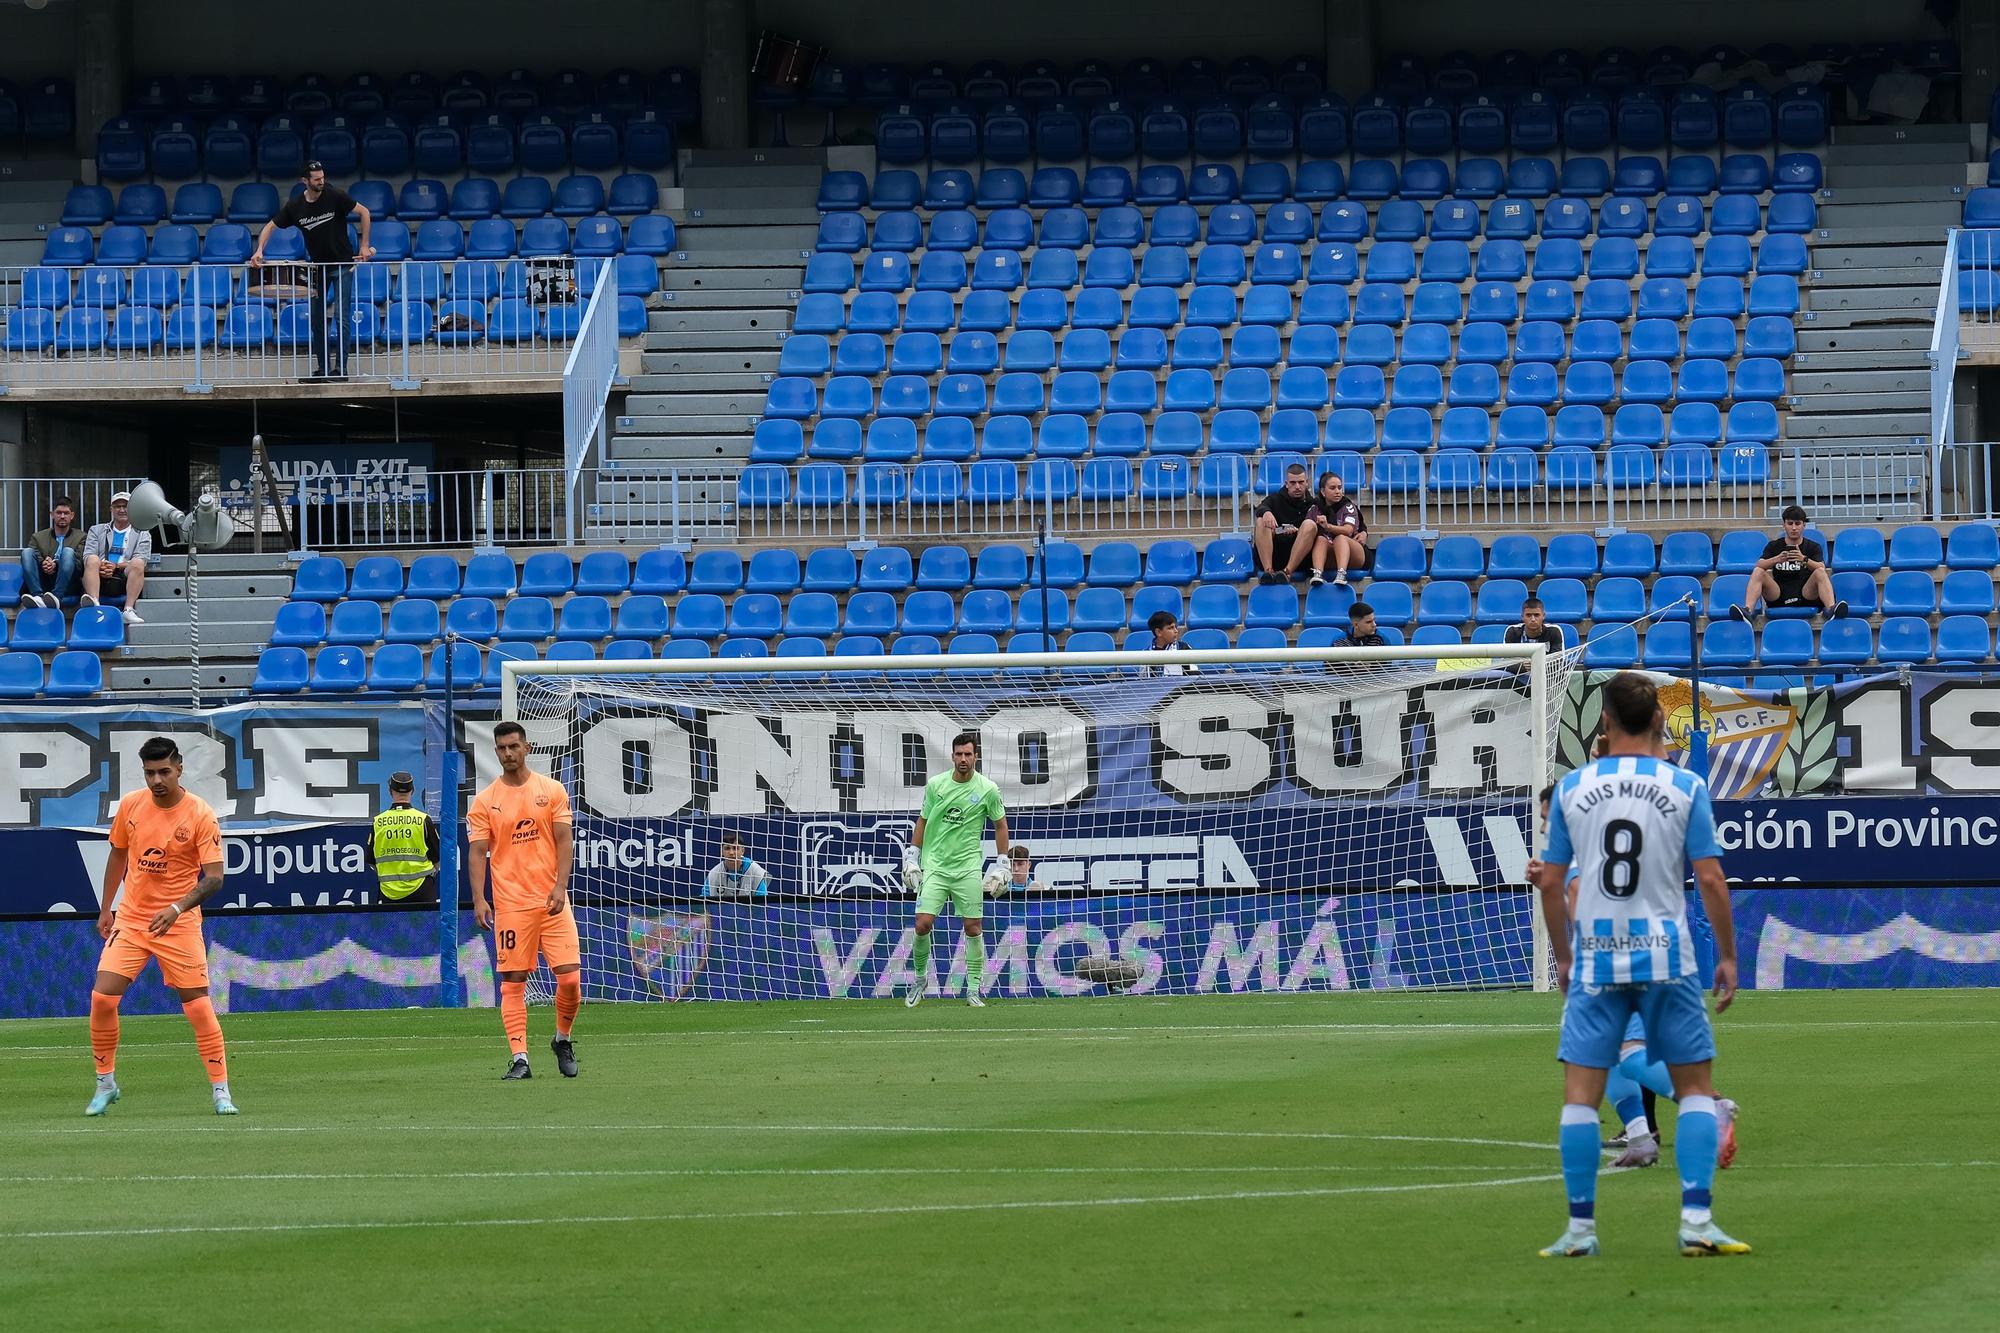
(1490, 343)
(1328, 304)
(229, 145)
(1280, 265)
(675, 90)
(1243, 431)
(469, 200)
(1254, 387)
(1322, 181)
(71, 674)
(36, 629)
(393, 240)
(1343, 220)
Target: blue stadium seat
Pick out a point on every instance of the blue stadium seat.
(1972, 546)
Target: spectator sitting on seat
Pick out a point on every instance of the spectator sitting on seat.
(1361, 631)
(1166, 631)
(1534, 627)
(1343, 532)
(52, 561)
(1283, 529)
(114, 559)
(735, 875)
(1792, 572)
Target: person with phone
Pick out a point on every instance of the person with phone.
(1791, 572)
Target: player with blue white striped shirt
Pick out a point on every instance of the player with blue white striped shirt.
(1632, 822)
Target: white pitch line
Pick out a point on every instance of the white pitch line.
(629, 1219)
(732, 1173)
(975, 1031)
(1061, 1130)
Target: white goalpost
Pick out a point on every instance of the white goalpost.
(1221, 821)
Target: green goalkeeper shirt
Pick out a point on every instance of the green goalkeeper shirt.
(955, 815)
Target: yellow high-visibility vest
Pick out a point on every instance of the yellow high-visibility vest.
(402, 860)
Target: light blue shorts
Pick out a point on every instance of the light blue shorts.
(1675, 1022)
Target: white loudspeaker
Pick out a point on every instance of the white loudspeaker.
(205, 527)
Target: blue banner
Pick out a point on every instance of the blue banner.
(1800, 939)
(1861, 842)
(388, 961)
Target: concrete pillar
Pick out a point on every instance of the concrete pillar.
(1350, 47)
(725, 73)
(1979, 56)
(103, 29)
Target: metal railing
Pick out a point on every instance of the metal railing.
(197, 327)
(25, 503)
(588, 376)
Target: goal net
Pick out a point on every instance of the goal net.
(1196, 822)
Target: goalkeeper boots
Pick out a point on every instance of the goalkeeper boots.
(101, 1102)
(1573, 1244)
(914, 996)
(565, 1051)
(517, 1070)
(972, 998)
(1709, 1241)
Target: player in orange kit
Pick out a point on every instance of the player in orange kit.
(166, 849)
(519, 828)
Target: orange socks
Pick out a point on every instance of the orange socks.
(104, 1031)
(514, 1014)
(569, 998)
(207, 1038)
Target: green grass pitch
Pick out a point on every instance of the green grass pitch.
(1213, 1163)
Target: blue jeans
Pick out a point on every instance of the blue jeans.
(330, 296)
(69, 572)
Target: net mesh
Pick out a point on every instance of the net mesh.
(1341, 823)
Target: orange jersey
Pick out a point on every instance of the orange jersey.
(165, 850)
(518, 826)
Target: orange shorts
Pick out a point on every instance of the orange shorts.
(182, 953)
(519, 936)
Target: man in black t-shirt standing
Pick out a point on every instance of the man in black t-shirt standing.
(1534, 627)
(320, 213)
(1283, 531)
(1791, 572)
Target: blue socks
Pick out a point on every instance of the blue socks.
(1623, 1094)
(1579, 1142)
(1696, 1136)
(1653, 1075)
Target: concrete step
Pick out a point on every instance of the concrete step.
(1807, 380)
(790, 233)
(743, 402)
(1845, 176)
(1909, 337)
(224, 562)
(711, 424)
(1862, 402)
(1859, 234)
(702, 159)
(781, 202)
(708, 258)
(1916, 297)
(1913, 275)
(686, 319)
(1940, 213)
(698, 277)
(1828, 258)
(217, 586)
(169, 615)
(1909, 154)
(1950, 194)
(1911, 359)
(704, 180)
(738, 382)
(1852, 425)
(220, 639)
(218, 678)
(723, 298)
(679, 447)
(674, 448)
(1846, 137)
(705, 362)
(714, 340)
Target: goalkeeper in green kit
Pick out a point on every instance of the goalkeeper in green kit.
(942, 862)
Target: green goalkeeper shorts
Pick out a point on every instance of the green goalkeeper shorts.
(965, 895)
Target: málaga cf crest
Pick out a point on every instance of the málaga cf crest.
(1745, 735)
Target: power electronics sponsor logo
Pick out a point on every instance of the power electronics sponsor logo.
(153, 860)
(525, 831)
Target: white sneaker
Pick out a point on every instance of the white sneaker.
(974, 1000)
(51, 602)
(1340, 579)
(132, 617)
(87, 600)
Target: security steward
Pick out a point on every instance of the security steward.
(404, 847)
